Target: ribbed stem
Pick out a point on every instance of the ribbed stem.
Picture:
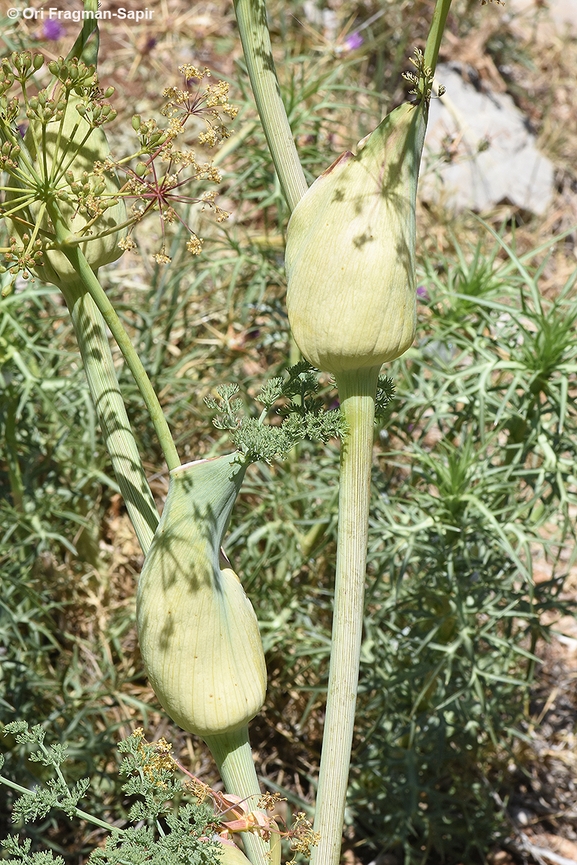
(357, 392)
(90, 282)
(118, 436)
(233, 756)
(255, 38)
(436, 32)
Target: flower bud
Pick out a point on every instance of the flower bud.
(197, 629)
(350, 255)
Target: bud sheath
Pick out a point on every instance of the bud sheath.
(198, 632)
(350, 254)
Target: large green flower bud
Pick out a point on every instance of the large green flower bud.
(198, 632)
(350, 255)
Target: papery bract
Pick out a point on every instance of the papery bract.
(198, 632)
(350, 255)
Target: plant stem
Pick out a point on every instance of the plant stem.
(118, 436)
(88, 278)
(80, 49)
(130, 356)
(357, 390)
(233, 756)
(436, 33)
(255, 38)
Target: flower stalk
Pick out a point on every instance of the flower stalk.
(91, 284)
(357, 390)
(118, 435)
(436, 31)
(255, 38)
(233, 756)
(352, 306)
(351, 358)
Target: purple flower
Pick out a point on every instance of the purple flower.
(352, 42)
(53, 30)
(423, 294)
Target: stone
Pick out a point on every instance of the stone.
(562, 13)
(479, 151)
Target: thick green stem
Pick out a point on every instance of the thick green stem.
(233, 756)
(436, 32)
(130, 356)
(118, 436)
(357, 392)
(255, 38)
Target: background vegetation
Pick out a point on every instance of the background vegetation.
(474, 476)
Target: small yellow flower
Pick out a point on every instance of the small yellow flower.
(209, 138)
(189, 72)
(126, 244)
(221, 215)
(161, 257)
(194, 245)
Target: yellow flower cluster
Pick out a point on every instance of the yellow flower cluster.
(302, 836)
(217, 97)
(77, 176)
(210, 104)
(50, 183)
(269, 801)
(161, 257)
(198, 789)
(190, 72)
(126, 244)
(161, 191)
(194, 245)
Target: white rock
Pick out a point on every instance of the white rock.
(563, 13)
(479, 152)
